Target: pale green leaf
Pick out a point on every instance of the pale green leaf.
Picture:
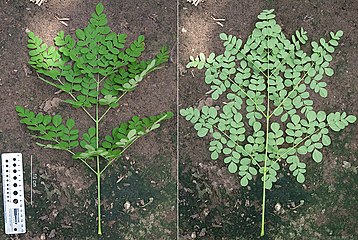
(232, 167)
(351, 118)
(202, 132)
(300, 178)
(326, 140)
(214, 155)
(223, 36)
(244, 181)
(317, 156)
(329, 71)
(275, 127)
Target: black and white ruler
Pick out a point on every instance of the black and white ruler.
(13, 193)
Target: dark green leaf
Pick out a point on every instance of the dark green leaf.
(70, 123)
(56, 120)
(80, 34)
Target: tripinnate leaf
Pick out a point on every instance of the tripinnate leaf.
(95, 68)
(97, 55)
(268, 67)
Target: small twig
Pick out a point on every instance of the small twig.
(62, 20)
(120, 179)
(218, 19)
(299, 205)
(64, 23)
(192, 73)
(209, 92)
(220, 24)
(149, 202)
(38, 2)
(195, 2)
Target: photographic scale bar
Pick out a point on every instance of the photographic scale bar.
(13, 193)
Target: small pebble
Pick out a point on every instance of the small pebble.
(52, 234)
(278, 207)
(202, 232)
(346, 164)
(127, 205)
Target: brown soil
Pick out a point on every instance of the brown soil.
(64, 200)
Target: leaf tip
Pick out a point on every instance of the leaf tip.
(99, 8)
(19, 109)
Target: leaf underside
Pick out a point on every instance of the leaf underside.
(267, 82)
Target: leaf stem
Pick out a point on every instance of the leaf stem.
(264, 183)
(86, 111)
(98, 169)
(266, 149)
(48, 82)
(99, 198)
